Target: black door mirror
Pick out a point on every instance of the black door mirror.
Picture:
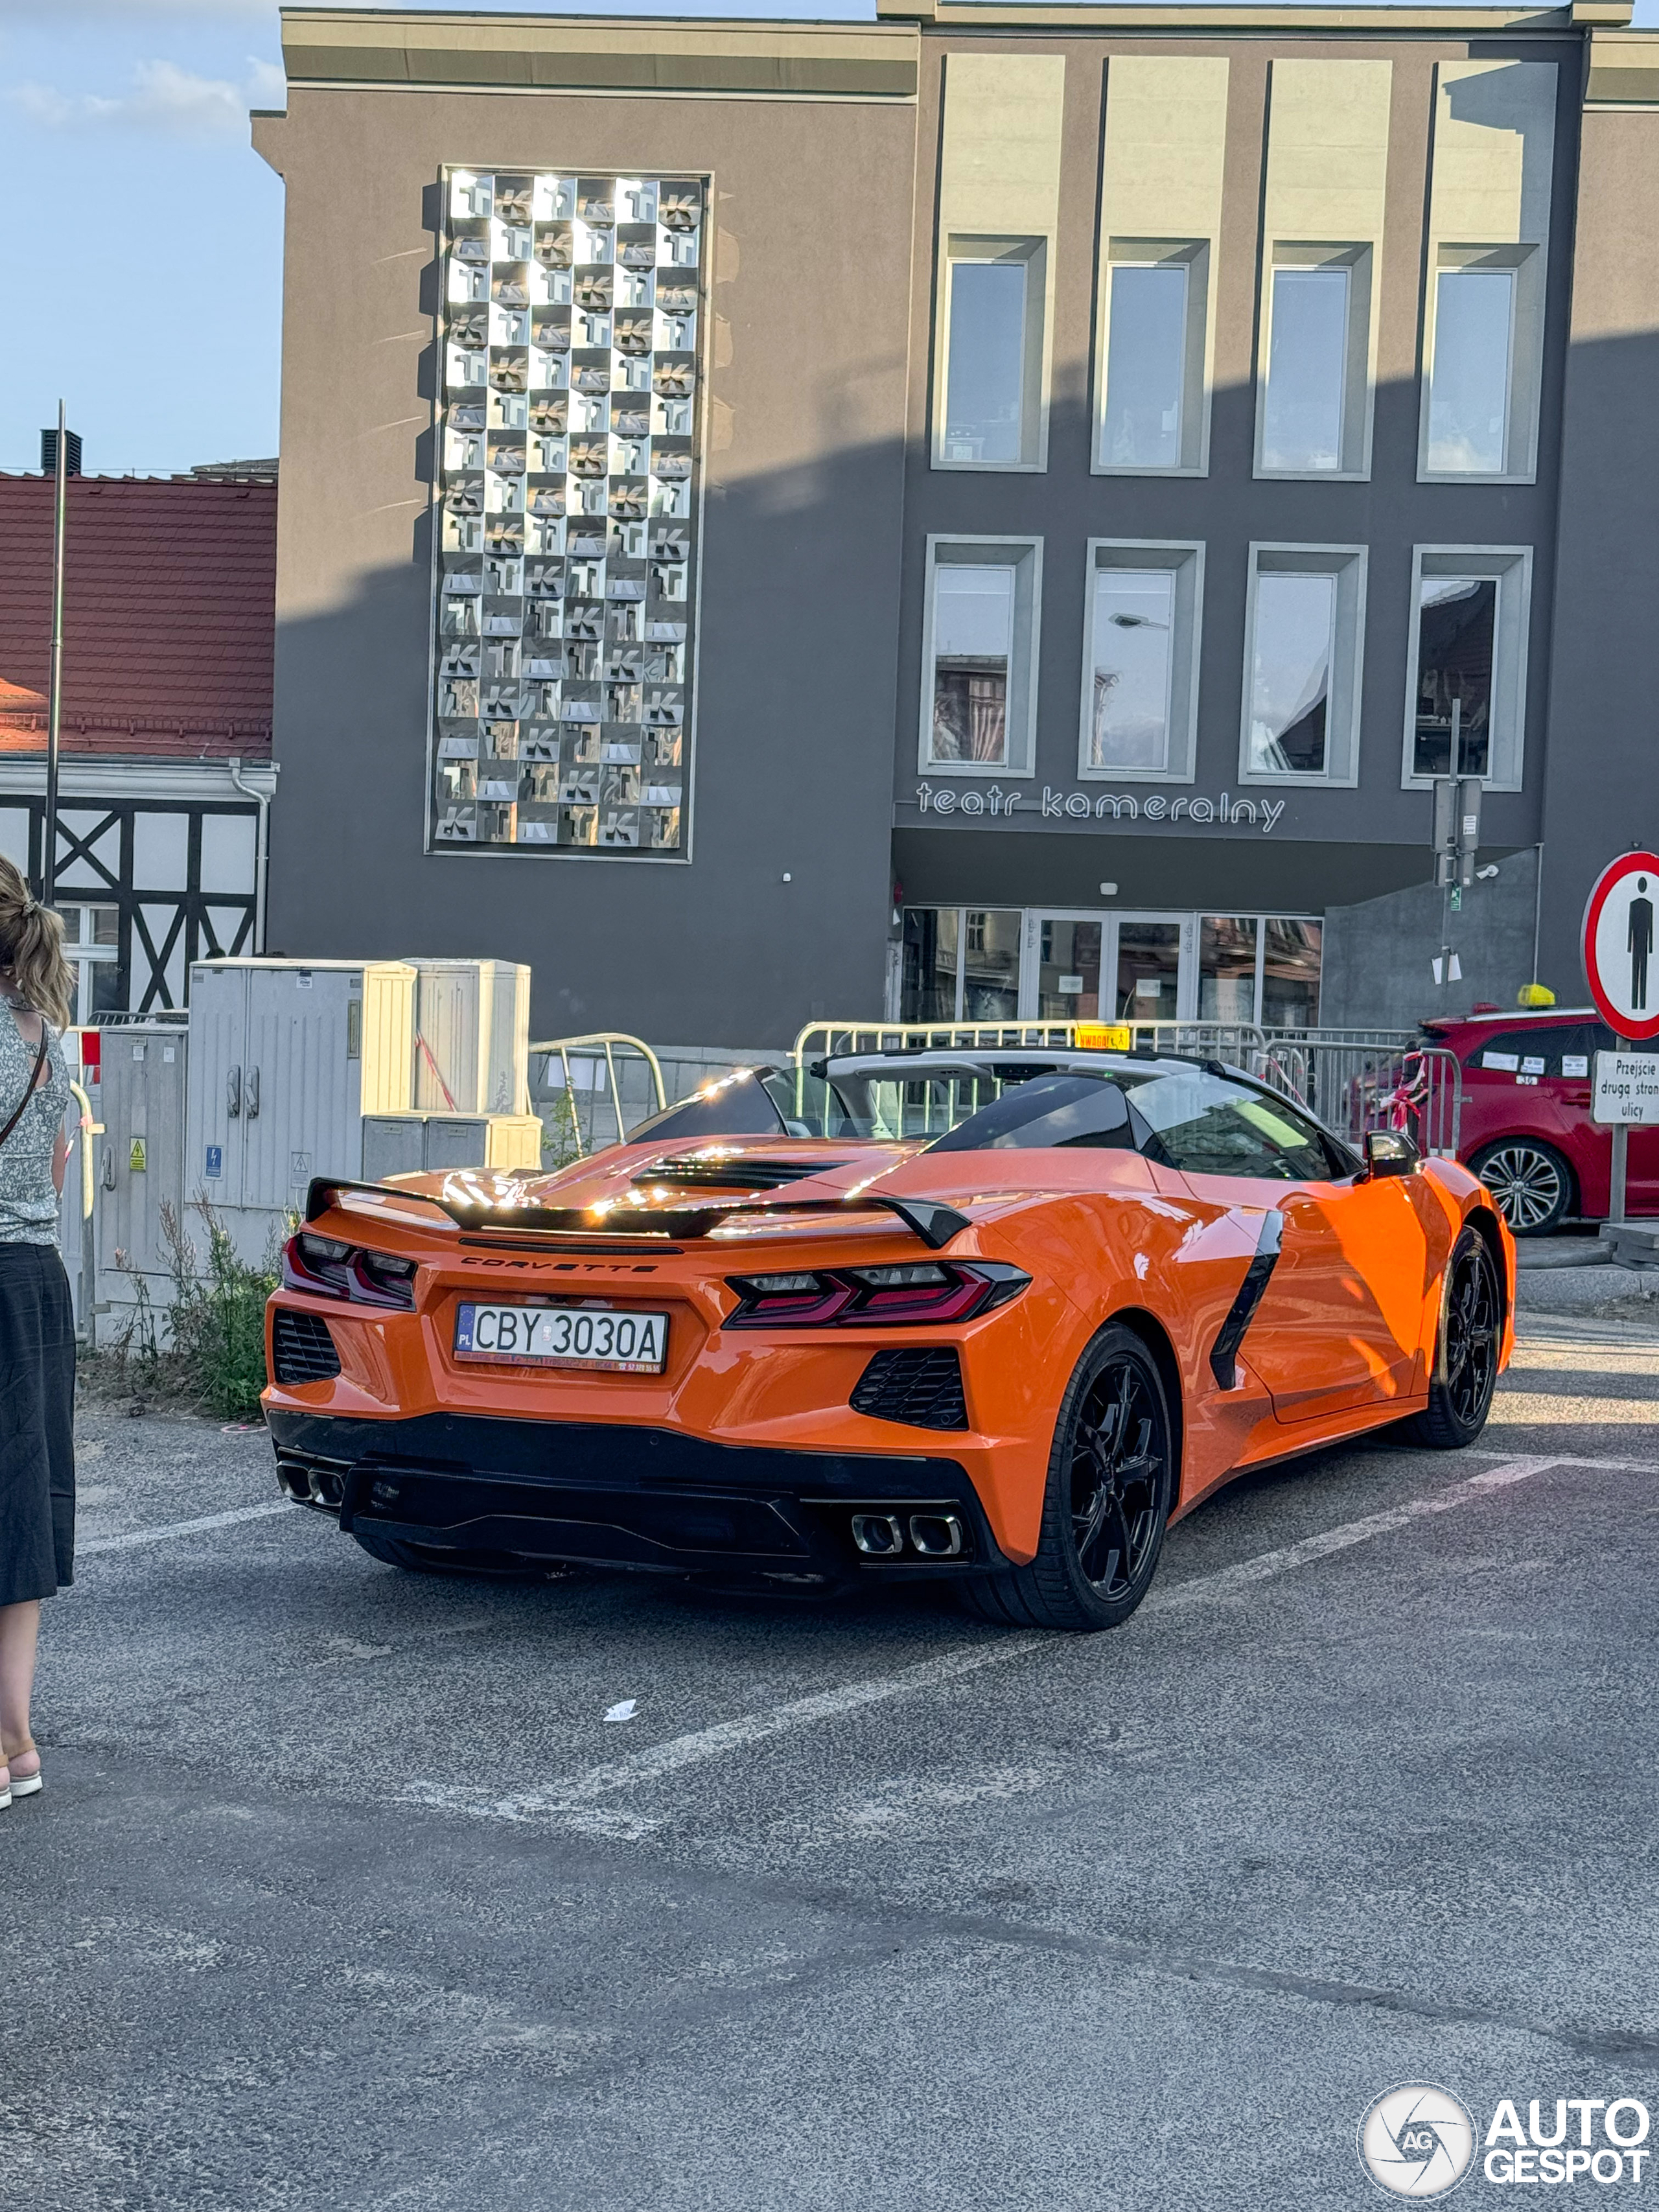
(1391, 1152)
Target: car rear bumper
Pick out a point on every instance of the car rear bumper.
(653, 1500)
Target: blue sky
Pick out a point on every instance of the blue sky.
(142, 256)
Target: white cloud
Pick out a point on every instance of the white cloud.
(165, 99)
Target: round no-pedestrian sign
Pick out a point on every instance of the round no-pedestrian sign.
(1621, 945)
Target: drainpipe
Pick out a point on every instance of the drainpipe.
(262, 800)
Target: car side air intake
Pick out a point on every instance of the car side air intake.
(1223, 1355)
(922, 1389)
(302, 1349)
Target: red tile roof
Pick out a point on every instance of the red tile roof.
(169, 617)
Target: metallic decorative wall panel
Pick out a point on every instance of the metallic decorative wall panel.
(566, 512)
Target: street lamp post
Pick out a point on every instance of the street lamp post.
(55, 687)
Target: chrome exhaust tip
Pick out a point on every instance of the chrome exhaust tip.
(292, 1482)
(937, 1535)
(878, 1536)
(327, 1487)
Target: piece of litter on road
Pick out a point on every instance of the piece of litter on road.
(243, 1428)
(624, 1711)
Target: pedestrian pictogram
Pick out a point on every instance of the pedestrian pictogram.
(1620, 943)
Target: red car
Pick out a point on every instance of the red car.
(1527, 1130)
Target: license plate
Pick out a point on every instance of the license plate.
(564, 1336)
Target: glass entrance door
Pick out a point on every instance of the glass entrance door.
(1108, 968)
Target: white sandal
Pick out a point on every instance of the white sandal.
(23, 1785)
(5, 1788)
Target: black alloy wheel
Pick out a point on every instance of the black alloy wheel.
(1466, 1369)
(1109, 1490)
(1530, 1182)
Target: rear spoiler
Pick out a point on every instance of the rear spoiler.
(928, 1218)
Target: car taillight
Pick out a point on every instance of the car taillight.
(329, 1269)
(926, 1291)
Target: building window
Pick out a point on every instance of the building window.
(991, 373)
(979, 705)
(1305, 622)
(1315, 413)
(933, 964)
(1140, 670)
(1481, 364)
(1290, 953)
(1470, 378)
(1228, 950)
(1465, 707)
(1259, 970)
(1152, 407)
(960, 965)
(92, 945)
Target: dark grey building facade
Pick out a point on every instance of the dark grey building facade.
(983, 514)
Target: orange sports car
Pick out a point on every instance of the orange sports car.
(1007, 1355)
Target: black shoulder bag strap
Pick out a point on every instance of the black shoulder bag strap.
(35, 1078)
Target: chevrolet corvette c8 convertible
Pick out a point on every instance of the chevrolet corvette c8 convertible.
(1007, 1356)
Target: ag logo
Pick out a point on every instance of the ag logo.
(1417, 2142)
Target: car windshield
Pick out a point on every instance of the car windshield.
(1184, 1117)
(1207, 1124)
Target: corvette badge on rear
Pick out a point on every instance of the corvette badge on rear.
(564, 1336)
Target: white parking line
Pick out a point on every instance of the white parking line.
(165, 1529)
(1224, 1580)
(667, 1758)
(577, 1792)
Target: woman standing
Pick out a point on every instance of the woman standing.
(37, 1326)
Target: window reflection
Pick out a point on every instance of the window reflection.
(973, 642)
(1146, 367)
(930, 962)
(1226, 968)
(1290, 672)
(986, 364)
(1307, 370)
(1456, 623)
(1290, 974)
(1133, 640)
(1469, 390)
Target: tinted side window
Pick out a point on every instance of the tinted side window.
(1538, 1050)
(1052, 1111)
(1207, 1126)
(732, 1106)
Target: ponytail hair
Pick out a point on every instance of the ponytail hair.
(32, 947)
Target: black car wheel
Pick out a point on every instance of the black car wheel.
(1465, 1367)
(1530, 1182)
(1110, 1484)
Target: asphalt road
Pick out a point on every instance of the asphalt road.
(345, 1893)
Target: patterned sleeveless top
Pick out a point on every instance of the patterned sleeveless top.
(29, 1201)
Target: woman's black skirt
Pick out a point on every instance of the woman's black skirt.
(37, 1424)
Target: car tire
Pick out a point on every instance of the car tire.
(1106, 1504)
(1530, 1182)
(1473, 1326)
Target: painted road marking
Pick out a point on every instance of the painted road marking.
(571, 1795)
(1222, 1581)
(169, 1529)
(576, 1792)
